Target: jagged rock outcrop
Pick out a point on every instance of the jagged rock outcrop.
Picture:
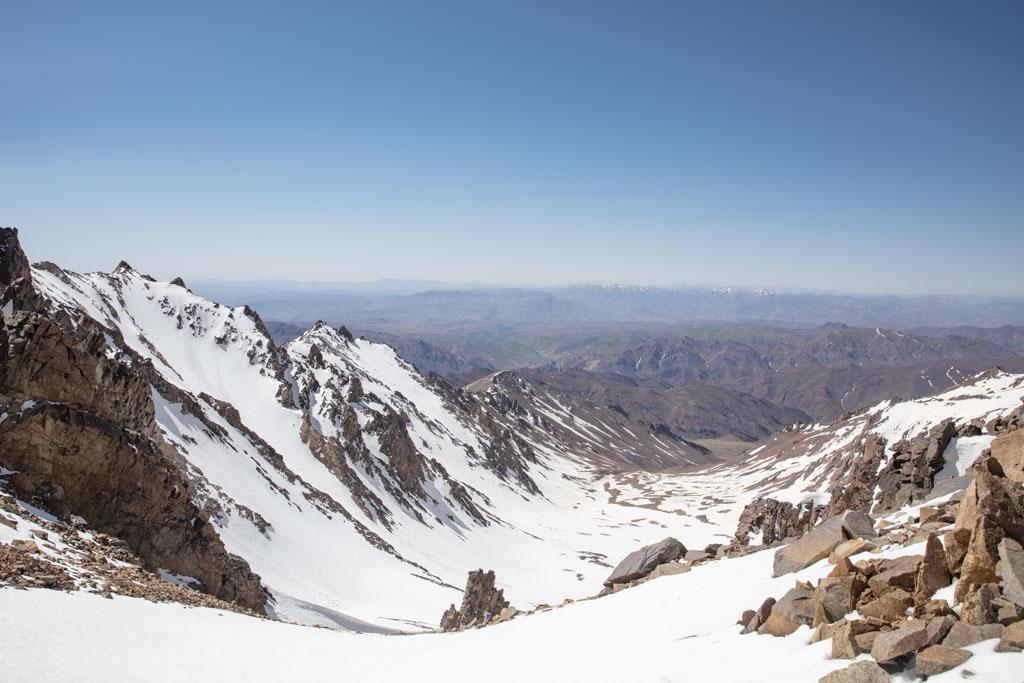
(81, 435)
(481, 603)
(910, 473)
(774, 521)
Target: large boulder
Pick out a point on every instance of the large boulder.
(838, 595)
(1012, 639)
(1008, 449)
(819, 542)
(795, 609)
(934, 571)
(642, 562)
(902, 641)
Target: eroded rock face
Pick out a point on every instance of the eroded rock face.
(480, 603)
(910, 473)
(81, 435)
(642, 562)
(774, 521)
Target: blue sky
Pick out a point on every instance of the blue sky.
(862, 146)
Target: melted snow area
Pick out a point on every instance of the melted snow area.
(799, 465)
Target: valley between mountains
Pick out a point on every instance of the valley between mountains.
(184, 495)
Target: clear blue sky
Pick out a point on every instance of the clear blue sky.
(860, 146)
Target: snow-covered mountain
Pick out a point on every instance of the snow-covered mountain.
(358, 490)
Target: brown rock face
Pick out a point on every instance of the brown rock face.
(480, 603)
(82, 436)
(1009, 451)
(910, 474)
(980, 605)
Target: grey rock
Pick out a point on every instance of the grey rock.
(813, 546)
(642, 562)
(695, 555)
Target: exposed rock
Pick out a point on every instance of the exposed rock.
(889, 608)
(864, 671)
(695, 555)
(1011, 568)
(668, 569)
(854, 546)
(939, 627)
(933, 573)
(900, 572)
(13, 262)
(855, 489)
(818, 543)
(844, 642)
(642, 562)
(795, 609)
(910, 473)
(937, 659)
(961, 634)
(481, 602)
(774, 521)
(838, 596)
(902, 641)
(955, 543)
(1009, 451)
(1012, 639)
(978, 608)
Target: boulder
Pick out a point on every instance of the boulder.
(955, 543)
(889, 608)
(979, 565)
(981, 605)
(1012, 639)
(849, 548)
(937, 659)
(844, 638)
(765, 610)
(668, 569)
(642, 562)
(933, 573)
(819, 542)
(902, 641)
(939, 627)
(838, 595)
(900, 572)
(695, 555)
(962, 635)
(795, 609)
(1008, 449)
(864, 671)
(1011, 568)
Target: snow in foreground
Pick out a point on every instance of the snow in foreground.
(676, 628)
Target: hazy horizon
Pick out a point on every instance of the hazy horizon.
(873, 148)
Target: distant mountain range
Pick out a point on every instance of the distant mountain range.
(489, 309)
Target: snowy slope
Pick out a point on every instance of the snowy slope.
(676, 628)
(362, 552)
